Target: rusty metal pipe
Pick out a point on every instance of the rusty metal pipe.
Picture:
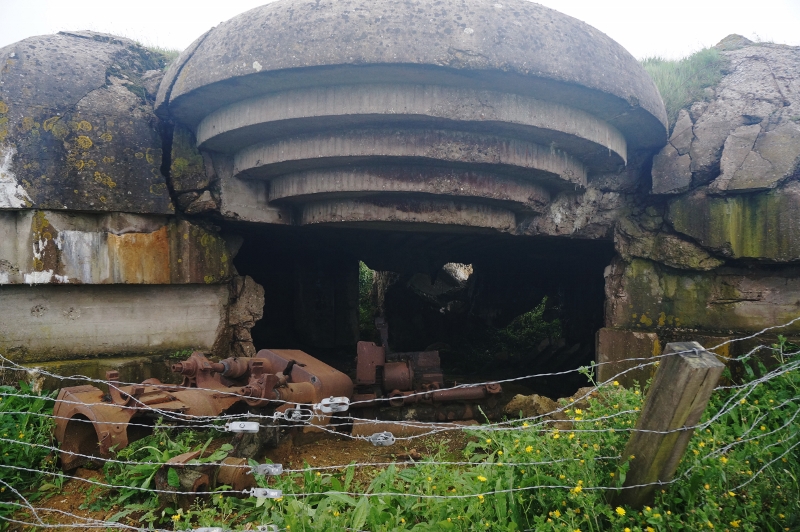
(234, 367)
(473, 393)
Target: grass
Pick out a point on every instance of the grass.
(23, 420)
(681, 82)
(168, 54)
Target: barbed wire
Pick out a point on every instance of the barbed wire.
(737, 397)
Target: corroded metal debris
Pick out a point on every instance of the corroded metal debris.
(291, 387)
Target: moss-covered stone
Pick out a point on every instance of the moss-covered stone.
(634, 241)
(73, 135)
(759, 226)
(187, 170)
(641, 295)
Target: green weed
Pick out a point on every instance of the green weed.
(23, 421)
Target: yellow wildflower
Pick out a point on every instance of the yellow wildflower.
(481, 478)
(616, 383)
(620, 510)
(528, 449)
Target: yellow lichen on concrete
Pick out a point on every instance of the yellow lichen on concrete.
(84, 142)
(104, 179)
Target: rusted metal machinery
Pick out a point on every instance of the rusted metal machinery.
(401, 379)
(291, 387)
(277, 379)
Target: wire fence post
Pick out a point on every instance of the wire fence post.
(677, 398)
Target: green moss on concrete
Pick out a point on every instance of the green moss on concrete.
(760, 226)
(661, 298)
(187, 170)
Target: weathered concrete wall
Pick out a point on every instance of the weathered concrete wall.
(714, 250)
(47, 322)
(41, 247)
(85, 212)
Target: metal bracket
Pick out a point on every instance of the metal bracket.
(382, 439)
(264, 493)
(300, 415)
(268, 469)
(333, 404)
(250, 427)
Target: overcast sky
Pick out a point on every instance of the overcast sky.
(670, 29)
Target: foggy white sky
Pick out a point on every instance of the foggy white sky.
(670, 28)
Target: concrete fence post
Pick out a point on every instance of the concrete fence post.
(674, 404)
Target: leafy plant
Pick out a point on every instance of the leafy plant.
(132, 495)
(366, 311)
(26, 434)
(527, 330)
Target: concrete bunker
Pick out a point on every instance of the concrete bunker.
(404, 137)
(336, 138)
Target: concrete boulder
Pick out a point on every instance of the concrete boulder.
(77, 129)
(745, 136)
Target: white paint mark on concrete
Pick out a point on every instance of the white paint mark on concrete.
(4, 278)
(62, 278)
(12, 195)
(469, 31)
(257, 66)
(39, 277)
(84, 256)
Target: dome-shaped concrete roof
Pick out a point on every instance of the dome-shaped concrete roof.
(512, 45)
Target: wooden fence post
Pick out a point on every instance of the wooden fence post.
(677, 398)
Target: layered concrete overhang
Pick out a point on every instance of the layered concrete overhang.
(458, 113)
